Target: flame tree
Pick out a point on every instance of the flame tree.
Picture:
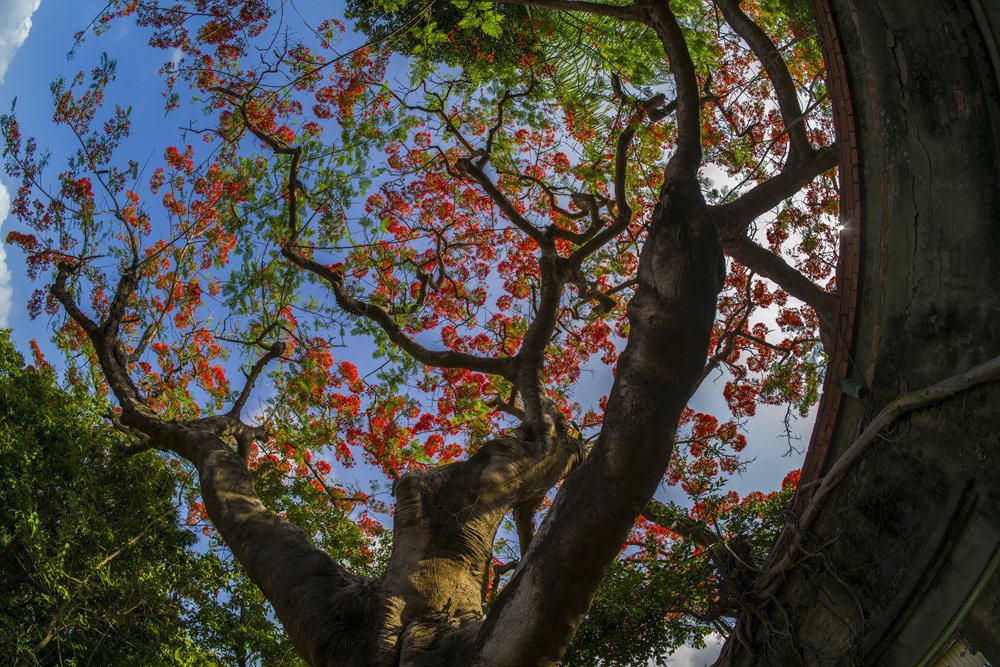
(532, 206)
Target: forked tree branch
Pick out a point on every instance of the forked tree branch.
(738, 214)
(301, 581)
(471, 170)
(502, 366)
(135, 412)
(733, 221)
(273, 352)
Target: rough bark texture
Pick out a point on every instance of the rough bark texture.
(900, 543)
(445, 523)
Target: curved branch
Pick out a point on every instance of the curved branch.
(624, 215)
(981, 374)
(472, 171)
(305, 586)
(502, 366)
(127, 283)
(777, 72)
(986, 372)
(765, 196)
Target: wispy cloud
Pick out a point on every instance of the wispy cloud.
(6, 289)
(692, 657)
(15, 24)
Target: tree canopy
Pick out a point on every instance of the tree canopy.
(366, 289)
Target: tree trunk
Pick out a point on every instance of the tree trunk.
(898, 547)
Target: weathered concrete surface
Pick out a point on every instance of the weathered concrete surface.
(908, 533)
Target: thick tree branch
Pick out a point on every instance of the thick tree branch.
(686, 160)
(764, 262)
(305, 586)
(765, 196)
(472, 171)
(734, 219)
(502, 366)
(123, 291)
(777, 72)
(671, 316)
(626, 13)
(445, 525)
(530, 358)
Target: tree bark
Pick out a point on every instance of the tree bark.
(680, 275)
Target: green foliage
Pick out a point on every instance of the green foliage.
(93, 566)
(448, 31)
(232, 617)
(650, 605)
(633, 620)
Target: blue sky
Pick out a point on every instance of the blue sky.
(35, 38)
(15, 26)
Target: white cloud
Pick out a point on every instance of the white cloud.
(686, 656)
(15, 23)
(6, 290)
(693, 657)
